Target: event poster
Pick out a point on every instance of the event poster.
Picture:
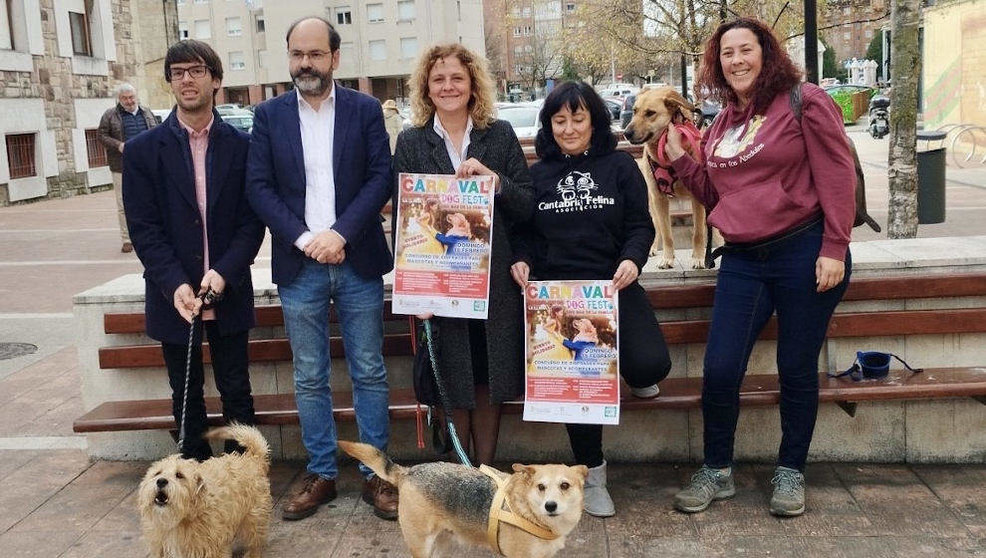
(442, 257)
(572, 370)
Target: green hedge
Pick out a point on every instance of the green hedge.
(844, 100)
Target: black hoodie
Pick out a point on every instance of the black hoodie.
(590, 214)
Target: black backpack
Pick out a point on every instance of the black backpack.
(862, 217)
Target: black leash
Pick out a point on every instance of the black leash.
(208, 298)
(443, 395)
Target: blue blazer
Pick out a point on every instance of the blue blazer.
(165, 228)
(363, 180)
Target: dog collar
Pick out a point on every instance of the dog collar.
(500, 512)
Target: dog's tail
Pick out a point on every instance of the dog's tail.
(247, 436)
(375, 460)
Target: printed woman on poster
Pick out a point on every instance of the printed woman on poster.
(591, 222)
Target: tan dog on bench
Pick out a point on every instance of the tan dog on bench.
(653, 111)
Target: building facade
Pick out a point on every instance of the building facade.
(380, 40)
(953, 69)
(852, 24)
(59, 63)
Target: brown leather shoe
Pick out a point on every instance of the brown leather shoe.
(315, 492)
(382, 496)
(127, 248)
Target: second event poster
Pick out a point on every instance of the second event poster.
(572, 348)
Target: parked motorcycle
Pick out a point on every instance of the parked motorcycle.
(879, 116)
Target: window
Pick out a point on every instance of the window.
(527, 29)
(516, 31)
(181, 2)
(233, 27)
(79, 24)
(378, 50)
(569, 7)
(182, 29)
(406, 10)
(374, 13)
(261, 58)
(20, 155)
(236, 60)
(409, 47)
(202, 29)
(201, 1)
(95, 149)
(6, 32)
(261, 25)
(344, 15)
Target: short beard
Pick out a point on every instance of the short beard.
(313, 83)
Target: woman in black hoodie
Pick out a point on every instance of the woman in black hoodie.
(591, 222)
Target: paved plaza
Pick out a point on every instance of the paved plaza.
(55, 502)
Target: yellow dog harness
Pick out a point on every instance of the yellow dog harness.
(500, 512)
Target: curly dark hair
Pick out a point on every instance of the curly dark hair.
(575, 94)
(777, 72)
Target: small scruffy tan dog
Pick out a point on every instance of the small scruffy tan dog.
(198, 510)
(440, 498)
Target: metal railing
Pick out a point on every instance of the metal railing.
(960, 136)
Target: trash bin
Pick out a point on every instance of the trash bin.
(931, 179)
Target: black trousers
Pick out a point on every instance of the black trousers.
(230, 369)
(644, 361)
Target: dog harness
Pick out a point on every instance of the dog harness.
(500, 512)
(661, 167)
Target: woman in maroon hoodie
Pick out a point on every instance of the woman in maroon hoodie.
(781, 191)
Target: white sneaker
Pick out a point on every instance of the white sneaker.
(649, 392)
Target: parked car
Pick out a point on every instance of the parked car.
(523, 117)
(240, 119)
(626, 111)
(619, 90)
(615, 105)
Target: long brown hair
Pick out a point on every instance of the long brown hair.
(777, 72)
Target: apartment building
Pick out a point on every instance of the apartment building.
(380, 39)
(852, 24)
(59, 63)
(527, 42)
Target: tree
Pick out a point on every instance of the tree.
(905, 67)
(830, 67)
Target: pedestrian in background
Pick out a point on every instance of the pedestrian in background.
(118, 125)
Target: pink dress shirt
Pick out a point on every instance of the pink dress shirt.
(199, 144)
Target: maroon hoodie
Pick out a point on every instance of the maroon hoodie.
(766, 173)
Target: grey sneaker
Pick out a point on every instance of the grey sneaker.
(789, 492)
(707, 484)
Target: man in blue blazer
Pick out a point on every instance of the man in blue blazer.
(318, 175)
(193, 229)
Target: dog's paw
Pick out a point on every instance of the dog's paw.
(666, 263)
(698, 263)
(655, 249)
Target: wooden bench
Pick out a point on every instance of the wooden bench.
(758, 389)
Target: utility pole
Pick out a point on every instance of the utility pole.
(811, 41)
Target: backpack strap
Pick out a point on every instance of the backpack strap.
(795, 100)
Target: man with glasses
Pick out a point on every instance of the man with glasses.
(118, 125)
(194, 231)
(318, 175)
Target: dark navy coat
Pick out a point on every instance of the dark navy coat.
(165, 228)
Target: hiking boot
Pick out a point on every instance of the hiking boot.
(382, 496)
(649, 392)
(597, 501)
(789, 492)
(707, 484)
(314, 492)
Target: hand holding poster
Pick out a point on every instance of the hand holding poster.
(442, 249)
(572, 372)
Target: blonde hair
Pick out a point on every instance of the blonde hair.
(481, 101)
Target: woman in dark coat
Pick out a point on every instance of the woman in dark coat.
(455, 132)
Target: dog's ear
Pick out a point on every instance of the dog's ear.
(581, 470)
(678, 106)
(524, 469)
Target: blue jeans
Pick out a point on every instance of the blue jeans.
(751, 286)
(359, 305)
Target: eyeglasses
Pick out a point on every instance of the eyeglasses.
(315, 55)
(195, 71)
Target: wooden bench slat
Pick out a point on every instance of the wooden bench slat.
(259, 350)
(266, 316)
(699, 294)
(676, 394)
